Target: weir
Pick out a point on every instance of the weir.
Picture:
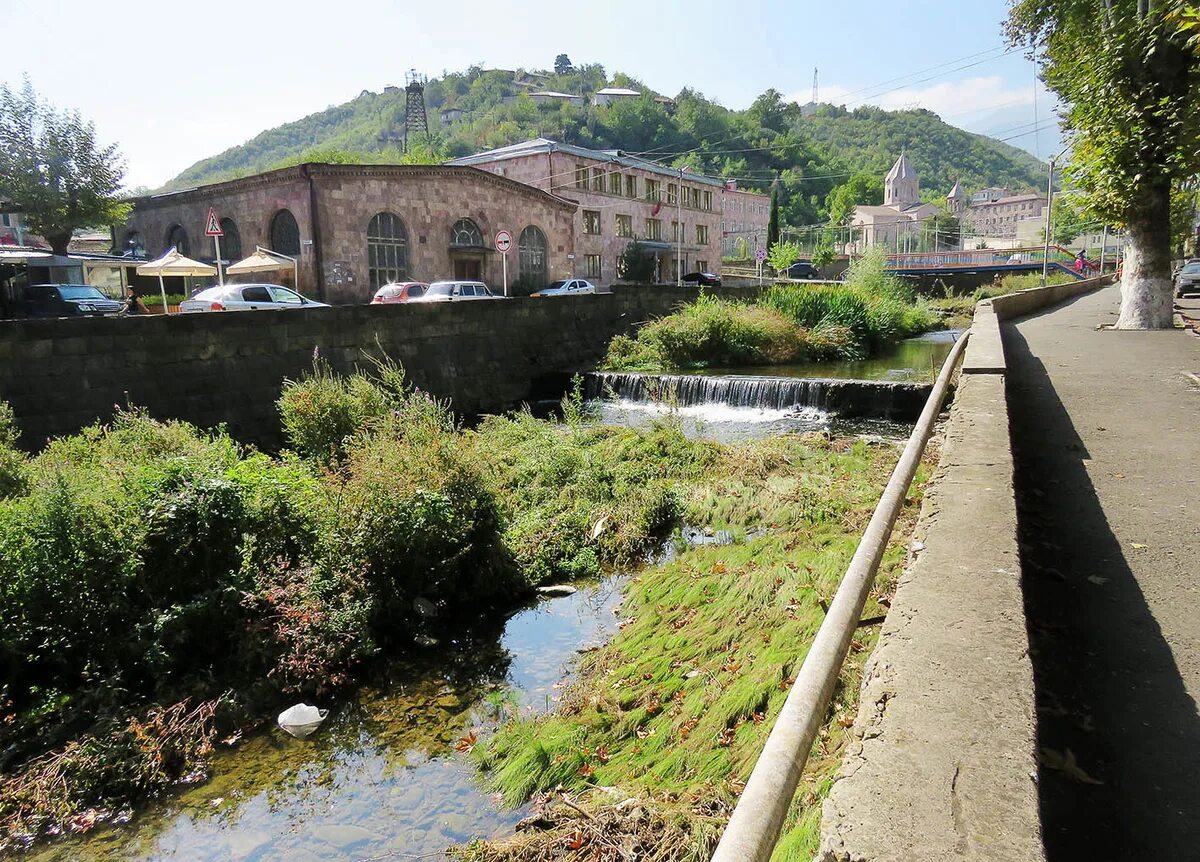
(848, 399)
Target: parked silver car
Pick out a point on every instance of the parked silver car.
(570, 287)
(448, 291)
(247, 297)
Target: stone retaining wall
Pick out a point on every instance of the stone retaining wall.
(60, 375)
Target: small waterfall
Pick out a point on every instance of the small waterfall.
(874, 399)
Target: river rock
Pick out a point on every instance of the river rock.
(557, 590)
(344, 836)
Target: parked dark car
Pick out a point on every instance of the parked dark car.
(704, 279)
(802, 269)
(1188, 280)
(64, 300)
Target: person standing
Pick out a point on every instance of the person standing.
(133, 303)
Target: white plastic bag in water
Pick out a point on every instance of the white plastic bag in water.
(301, 720)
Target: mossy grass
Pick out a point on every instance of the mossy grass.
(675, 709)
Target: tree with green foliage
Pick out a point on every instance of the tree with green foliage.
(773, 219)
(823, 254)
(636, 264)
(1130, 81)
(781, 255)
(53, 170)
(862, 189)
(562, 65)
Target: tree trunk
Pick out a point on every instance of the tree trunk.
(1147, 292)
(59, 241)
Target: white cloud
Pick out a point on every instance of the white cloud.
(950, 99)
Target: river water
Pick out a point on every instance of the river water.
(383, 777)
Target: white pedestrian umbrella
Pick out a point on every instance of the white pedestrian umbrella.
(174, 264)
(265, 260)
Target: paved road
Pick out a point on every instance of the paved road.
(1105, 429)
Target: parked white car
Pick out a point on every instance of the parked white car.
(247, 297)
(447, 291)
(570, 287)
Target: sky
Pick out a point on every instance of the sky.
(175, 83)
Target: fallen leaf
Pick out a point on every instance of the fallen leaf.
(846, 720)
(1064, 762)
(1140, 546)
(718, 569)
(576, 841)
(726, 738)
(586, 771)
(601, 754)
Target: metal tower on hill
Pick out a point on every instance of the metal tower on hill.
(415, 121)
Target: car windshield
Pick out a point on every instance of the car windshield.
(1191, 268)
(555, 285)
(441, 288)
(74, 291)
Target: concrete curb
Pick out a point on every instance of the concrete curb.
(944, 764)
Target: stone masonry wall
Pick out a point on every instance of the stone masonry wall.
(429, 200)
(61, 375)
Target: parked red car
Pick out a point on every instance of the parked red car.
(400, 291)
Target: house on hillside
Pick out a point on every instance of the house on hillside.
(543, 97)
(613, 94)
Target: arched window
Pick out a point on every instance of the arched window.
(285, 233)
(531, 251)
(177, 237)
(231, 242)
(387, 250)
(466, 233)
(135, 246)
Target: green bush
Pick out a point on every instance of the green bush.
(717, 332)
(12, 462)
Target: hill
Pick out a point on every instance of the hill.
(810, 156)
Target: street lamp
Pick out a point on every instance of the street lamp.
(1049, 210)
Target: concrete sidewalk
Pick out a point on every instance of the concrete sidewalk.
(1104, 430)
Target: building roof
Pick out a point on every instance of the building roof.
(556, 95)
(957, 191)
(1011, 199)
(902, 170)
(317, 169)
(618, 91)
(537, 146)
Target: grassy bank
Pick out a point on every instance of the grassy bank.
(958, 310)
(787, 323)
(153, 569)
(667, 719)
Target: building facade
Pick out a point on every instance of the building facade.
(352, 228)
(1002, 216)
(897, 223)
(744, 218)
(621, 198)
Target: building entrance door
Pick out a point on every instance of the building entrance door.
(468, 269)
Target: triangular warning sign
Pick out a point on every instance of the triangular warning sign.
(213, 226)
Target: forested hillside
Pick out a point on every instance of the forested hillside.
(809, 156)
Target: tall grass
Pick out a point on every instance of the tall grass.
(788, 323)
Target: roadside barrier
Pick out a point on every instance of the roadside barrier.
(758, 818)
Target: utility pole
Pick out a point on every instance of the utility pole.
(1103, 248)
(679, 238)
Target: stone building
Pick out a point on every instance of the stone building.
(1000, 216)
(621, 198)
(744, 216)
(355, 227)
(896, 223)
